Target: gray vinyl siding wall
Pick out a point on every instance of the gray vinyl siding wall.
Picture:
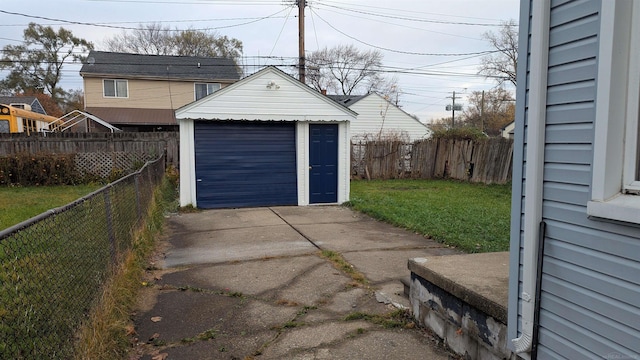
(590, 304)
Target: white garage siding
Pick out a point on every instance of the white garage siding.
(267, 96)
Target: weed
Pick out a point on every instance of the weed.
(286, 302)
(292, 324)
(189, 209)
(341, 264)
(158, 342)
(104, 335)
(305, 310)
(203, 336)
(394, 319)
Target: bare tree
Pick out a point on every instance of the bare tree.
(441, 124)
(345, 70)
(489, 112)
(156, 39)
(502, 64)
(150, 39)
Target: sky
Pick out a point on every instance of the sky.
(431, 46)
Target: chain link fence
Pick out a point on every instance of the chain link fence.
(52, 266)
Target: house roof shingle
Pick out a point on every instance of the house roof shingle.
(129, 116)
(31, 100)
(100, 63)
(346, 100)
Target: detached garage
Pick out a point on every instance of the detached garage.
(266, 140)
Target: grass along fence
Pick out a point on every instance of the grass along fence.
(487, 160)
(52, 267)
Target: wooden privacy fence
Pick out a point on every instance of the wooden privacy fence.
(485, 160)
(147, 145)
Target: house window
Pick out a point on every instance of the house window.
(203, 90)
(615, 191)
(115, 88)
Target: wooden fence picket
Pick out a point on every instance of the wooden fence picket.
(486, 160)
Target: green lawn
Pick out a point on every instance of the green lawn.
(471, 217)
(21, 203)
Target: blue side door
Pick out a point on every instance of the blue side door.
(323, 163)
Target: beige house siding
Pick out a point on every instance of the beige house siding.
(143, 94)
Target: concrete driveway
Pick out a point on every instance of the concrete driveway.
(252, 284)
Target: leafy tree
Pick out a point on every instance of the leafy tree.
(156, 39)
(497, 110)
(502, 64)
(36, 65)
(345, 70)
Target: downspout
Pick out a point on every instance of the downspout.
(534, 170)
(536, 313)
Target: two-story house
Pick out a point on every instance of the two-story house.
(140, 92)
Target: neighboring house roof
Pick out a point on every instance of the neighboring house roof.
(105, 64)
(130, 116)
(346, 100)
(377, 115)
(31, 100)
(269, 94)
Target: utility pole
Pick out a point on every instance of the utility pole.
(453, 108)
(301, 58)
(482, 113)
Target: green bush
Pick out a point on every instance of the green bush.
(38, 170)
(464, 133)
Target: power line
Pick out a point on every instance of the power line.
(403, 26)
(281, 30)
(154, 21)
(401, 51)
(388, 10)
(132, 28)
(417, 19)
(217, 2)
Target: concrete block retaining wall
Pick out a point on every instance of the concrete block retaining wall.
(470, 324)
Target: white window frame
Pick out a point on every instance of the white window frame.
(615, 147)
(115, 88)
(195, 85)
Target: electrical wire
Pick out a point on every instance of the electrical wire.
(403, 26)
(388, 16)
(132, 28)
(281, 30)
(412, 12)
(401, 51)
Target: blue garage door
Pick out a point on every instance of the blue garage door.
(245, 164)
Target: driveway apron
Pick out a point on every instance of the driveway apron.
(254, 284)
